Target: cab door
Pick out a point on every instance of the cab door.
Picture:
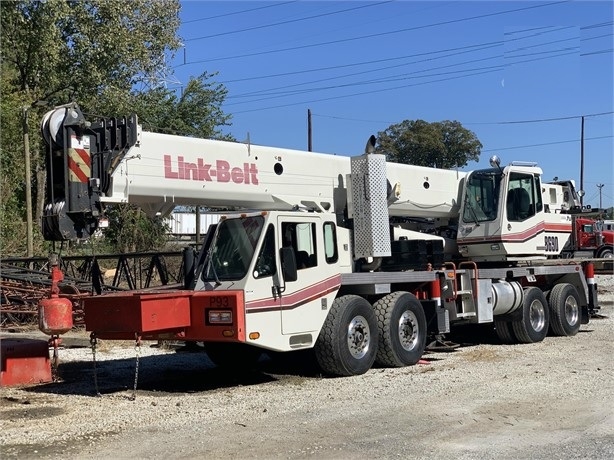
(524, 233)
(262, 299)
(304, 302)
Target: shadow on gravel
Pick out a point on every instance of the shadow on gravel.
(181, 372)
(484, 334)
(474, 334)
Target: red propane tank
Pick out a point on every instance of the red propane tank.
(55, 315)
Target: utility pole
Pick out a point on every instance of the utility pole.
(309, 130)
(197, 212)
(600, 186)
(28, 182)
(582, 163)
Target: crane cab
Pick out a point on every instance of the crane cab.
(507, 214)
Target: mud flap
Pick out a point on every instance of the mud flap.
(593, 301)
(585, 315)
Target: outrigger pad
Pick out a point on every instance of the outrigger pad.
(442, 346)
(24, 362)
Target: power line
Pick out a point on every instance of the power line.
(547, 143)
(270, 96)
(597, 36)
(270, 90)
(477, 72)
(539, 34)
(238, 12)
(465, 51)
(540, 120)
(351, 119)
(598, 52)
(600, 24)
(537, 120)
(462, 50)
(289, 21)
(480, 71)
(486, 45)
(522, 48)
(532, 29)
(405, 76)
(367, 82)
(362, 37)
(362, 93)
(575, 48)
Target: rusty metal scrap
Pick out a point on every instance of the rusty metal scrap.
(21, 290)
(25, 281)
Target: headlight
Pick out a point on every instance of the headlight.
(220, 317)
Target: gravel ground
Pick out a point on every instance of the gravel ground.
(552, 399)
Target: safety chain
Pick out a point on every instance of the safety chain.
(94, 343)
(54, 341)
(137, 349)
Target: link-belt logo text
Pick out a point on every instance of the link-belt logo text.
(201, 171)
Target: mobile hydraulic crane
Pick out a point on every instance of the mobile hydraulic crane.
(358, 258)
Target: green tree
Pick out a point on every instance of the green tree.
(84, 49)
(12, 173)
(197, 112)
(90, 51)
(109, 56)
(131, 230)
(444, 144)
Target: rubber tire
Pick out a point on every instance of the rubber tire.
(505, 332)
(564, 301)
(606, 253)
(232, 355)
(333, 351)
(390, 310)
(534, 303)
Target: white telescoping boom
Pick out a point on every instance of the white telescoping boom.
(351, 256)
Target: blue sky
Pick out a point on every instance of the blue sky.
(500, 68)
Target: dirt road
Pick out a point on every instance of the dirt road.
(552, 399)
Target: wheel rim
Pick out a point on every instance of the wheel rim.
(408, 330)
(607, 255)
(537, 315)
(572, 312)
(359, 337)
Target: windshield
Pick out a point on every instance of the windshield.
(482, 196)
(232, 249)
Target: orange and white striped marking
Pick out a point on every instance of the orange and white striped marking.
(589, 272)
(79, 160)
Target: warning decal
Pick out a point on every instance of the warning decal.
(79, 165)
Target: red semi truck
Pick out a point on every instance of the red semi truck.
(590, 239)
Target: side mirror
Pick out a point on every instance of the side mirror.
(288, 264)
(189, 268)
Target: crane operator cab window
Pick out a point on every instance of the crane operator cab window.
(481, 196)
(524, 197)
(265, 263)
(302, 238)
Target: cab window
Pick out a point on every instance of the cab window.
(521, 197)
(301, 236)
(265, 263)
(330, 243)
